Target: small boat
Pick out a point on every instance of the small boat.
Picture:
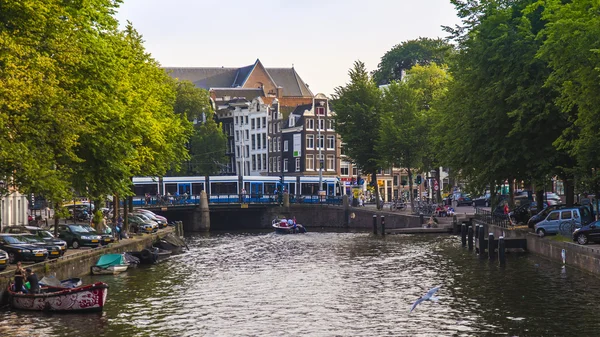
(283, 226)
(90, 297)
(151, 255)
(52, 281)
(171, 243)
(110, 264)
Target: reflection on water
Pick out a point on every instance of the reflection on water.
(330, 284)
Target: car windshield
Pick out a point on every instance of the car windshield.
(15, 239)
(78, 229)
(31, 238)
(45, 234)
(90, 229)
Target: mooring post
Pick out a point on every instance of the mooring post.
(491, 245)
(470, 234)
(501, 250)
(463, 234)
(383, 225)
(375, 224)
(477, 238)
(421, 218)
(481, 241)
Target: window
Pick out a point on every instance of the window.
(253, 142)
(270, 164)
(236, 120)
(270, 127)
(330, 142)
(253, 162)
(330, 125)
(278, 164)
(292, 121)
(553, 216)
(237, 135)
(320, 124)
(278, 144)
(298, 164)
(264, 161)
(355, 171)
(310, 124)
(330, 162)
(285, 146)
(264, 122)
(310, 141)
(258, 142)
(252, 122)
(321, 111)
(237, 151)
(270, 146)
(264, 137)
(246, 119)
(321, 142)
(565, 215)
(321, 159)
(247, 151)
(247, 134)
(310, 162)
(285, 165)
(344, 169)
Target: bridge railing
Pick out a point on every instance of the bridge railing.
(492, 218)
(248, 198)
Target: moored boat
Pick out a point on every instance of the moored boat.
(52, 281)
(285, 226)
(151, 255)
(110, 264)
(90, 297)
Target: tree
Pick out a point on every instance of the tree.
(407, 54)
(357, 107)
(191, 101)
(208, 146)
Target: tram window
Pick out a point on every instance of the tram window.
(292, 188)
(309, 188)
(197, 188)
(171, 188)
(269, 188)
(223, 188)
(142, 189)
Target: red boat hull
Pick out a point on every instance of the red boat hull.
(87, 298)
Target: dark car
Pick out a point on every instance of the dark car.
(541, 215)
(106, 238)
(77, 236)
(587, 233)
(463, 199)
(482, 201)
(19, 249)
(40, 232)
(3, 260)
(54, 251)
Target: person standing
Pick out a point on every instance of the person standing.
(19, 278)
(34, 286)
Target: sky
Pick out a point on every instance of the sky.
(321, 39)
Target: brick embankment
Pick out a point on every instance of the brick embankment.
(77, 262)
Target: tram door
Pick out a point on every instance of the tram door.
(256, 189)
(330, 189)
(184, 188)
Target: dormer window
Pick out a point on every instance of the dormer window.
(292, 121)
(321, 111)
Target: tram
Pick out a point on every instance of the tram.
(222, 188)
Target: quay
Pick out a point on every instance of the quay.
(77, 262)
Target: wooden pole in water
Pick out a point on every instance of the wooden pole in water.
(375, 224)
(501, 250)
(383, 225)
(470, 237)
(481, 242)
(463, 234)
(477, 237)
(491, 246)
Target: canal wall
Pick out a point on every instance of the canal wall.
(80, 263)
(582, 257)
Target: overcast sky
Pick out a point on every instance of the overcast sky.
(321, 38)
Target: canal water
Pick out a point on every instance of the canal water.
(331, 284)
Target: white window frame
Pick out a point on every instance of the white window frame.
(330, 160)
(310, 144)
(310, 159)
(285, 146)
(297, 164)
(310, 124)
(329, 139)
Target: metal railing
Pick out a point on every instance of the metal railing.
(491, 218)
(248, 198)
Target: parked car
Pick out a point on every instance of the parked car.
(161, 220)
(482, 201)
(141, 224)
(552, 198)
(54, 251)
(40, 232)
(19, 249)
(3, 260)
(106, 238)
(579, 216)
(77, 236)
(541, 215)
(463, 199)
(587, 233)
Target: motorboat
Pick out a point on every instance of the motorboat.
(287, 226)
(172, 243)
(87, 298)
(151, 255)
(110, 264)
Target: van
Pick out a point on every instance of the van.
(564, 220)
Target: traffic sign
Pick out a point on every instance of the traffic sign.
(435, 187)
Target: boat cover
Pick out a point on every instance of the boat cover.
(110, 260)
(50, 281)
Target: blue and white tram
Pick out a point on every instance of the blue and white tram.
(224, 188)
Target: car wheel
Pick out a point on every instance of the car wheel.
(541, 232)
(582, 239)
(75, 244)
(12, 258)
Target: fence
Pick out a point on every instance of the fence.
(249, 198)
(491, 218)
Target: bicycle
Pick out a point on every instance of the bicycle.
(566, 228)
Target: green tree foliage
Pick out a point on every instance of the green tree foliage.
(407, 54)
(357, 107)
(572, 49)
(500, 118)
(192, 102)
(208, 146)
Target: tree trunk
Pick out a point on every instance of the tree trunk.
(374, 179)
(56, 218)
(511, 191)
(115, 209)
(569, 191)
(410, 188)
(125, 228)
(439, 184)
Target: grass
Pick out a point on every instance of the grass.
(559, 237)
